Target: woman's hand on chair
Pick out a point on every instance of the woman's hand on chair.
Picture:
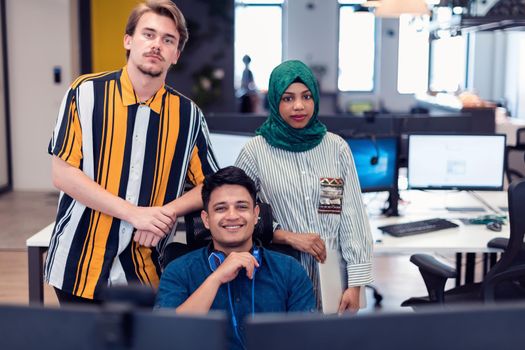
(310, 243)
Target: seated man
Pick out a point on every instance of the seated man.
(233, 274)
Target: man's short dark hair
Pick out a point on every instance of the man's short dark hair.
(227, 176)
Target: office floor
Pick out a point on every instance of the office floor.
(24, 213)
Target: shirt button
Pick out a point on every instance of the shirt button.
(237, 300)
(303, 172)
(307, 198)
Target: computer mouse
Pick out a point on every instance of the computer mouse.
(494, 226)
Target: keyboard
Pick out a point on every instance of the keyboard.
(416, 227)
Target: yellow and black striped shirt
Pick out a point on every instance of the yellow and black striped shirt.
(142, 152)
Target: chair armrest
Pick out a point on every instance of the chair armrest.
(435, 275)
(489, 286)
(498, 243)
(431, 265)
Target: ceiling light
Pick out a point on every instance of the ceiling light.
(395, 8)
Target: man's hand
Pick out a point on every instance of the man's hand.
(309, 243)
(153, 219)
(350, 300)
(146, 238)
(231, 266)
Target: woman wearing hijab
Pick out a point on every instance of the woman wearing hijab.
(308, 176)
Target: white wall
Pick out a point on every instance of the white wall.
(312, 36)
(39, 38)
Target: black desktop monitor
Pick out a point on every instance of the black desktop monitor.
(481, 327)
(375, 159)
(227, 146)
(463, 162)
(112, 328)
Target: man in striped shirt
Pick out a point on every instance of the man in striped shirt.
(123, 147)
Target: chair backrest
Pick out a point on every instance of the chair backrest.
(515, 163)
(516, 200)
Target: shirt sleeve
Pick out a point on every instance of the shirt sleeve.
(354, 233)
(173, 290)
(66, 142)
(203, 161)
(301, 294)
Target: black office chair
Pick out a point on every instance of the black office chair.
(504, 281)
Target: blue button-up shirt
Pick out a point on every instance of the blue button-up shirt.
(280, 285)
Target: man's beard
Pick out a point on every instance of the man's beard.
(152, 73)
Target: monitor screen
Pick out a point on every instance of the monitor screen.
(468, 162)
(465, 326)
(375, 159)
(227, 146)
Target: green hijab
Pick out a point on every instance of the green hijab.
(275, 130)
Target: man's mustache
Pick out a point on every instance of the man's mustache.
(154, 54)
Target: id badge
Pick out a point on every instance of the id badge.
(331, 196)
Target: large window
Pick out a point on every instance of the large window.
(412, 73)
(258, 34)
(356, 48)
(448, 60)
(448, 64)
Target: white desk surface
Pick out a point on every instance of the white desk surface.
(42, 237)
(419, 205)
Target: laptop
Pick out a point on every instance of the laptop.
(333, 280)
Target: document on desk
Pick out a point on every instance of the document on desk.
(333, 280)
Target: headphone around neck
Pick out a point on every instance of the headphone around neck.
(215, 259)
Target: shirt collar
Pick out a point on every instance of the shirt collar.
(130, 98)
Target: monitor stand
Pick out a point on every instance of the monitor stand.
(393, 199)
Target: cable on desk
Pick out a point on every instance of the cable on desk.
(484, 202)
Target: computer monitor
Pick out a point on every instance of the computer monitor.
(480, 327)
(77, 327)
(375, 159)
(227, 146)
(463, 162)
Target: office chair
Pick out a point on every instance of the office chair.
(520, 137)
(504, 281)
(515, 162)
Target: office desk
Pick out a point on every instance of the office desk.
(418, 205)
(470, 239)
(421, 205)
(36, 247)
